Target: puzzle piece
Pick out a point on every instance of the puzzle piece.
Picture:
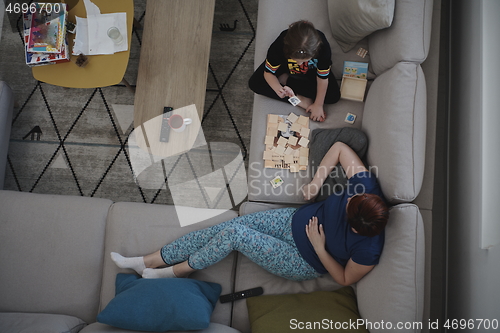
(282, 141)
(304, 131)
(292, 117)
(296, 127)
(289, 151)
(303, 142)
(292, 141)
(283, 127)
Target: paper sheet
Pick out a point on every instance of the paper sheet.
(91, 33)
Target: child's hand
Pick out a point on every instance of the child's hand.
(285, 91)
(317, 112)
(288, 91)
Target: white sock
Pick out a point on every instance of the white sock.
(136, 263)
(157, 273)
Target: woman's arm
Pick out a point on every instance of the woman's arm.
(316, 109)
(339, 152)
(352, 272)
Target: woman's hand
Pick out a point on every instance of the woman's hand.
(316, 234)
(310, 191)
(317, 112)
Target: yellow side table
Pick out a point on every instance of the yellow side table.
(102, 70)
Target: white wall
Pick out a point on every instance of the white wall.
(473, 272)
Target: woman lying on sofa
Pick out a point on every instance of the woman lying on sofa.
(298, 64)
(342, 236)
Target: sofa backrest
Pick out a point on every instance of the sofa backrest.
(51, 253)
(394, 120)
(407, 39)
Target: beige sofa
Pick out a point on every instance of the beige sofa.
(54, 250)
(57, 274)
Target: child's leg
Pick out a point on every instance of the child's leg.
(307, 87)
(278, 257)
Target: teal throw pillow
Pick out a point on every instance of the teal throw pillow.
(159, 305)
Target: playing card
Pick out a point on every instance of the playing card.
(294, 100)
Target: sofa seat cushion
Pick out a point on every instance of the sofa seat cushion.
(61, 242)
(136, 229)
(103, 328)
(18, 322)
(394, 120)
(319, 310)
(160, 305)
(394, 289)
(353, 20)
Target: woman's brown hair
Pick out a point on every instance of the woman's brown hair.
(367, 214)
(302, 41)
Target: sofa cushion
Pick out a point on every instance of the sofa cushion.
(136, 229)
(18, 322)
(394, 120)
(407, 39)
(319, 310)
(353, 20)
(6, 110)
(394, 290)
(103, 328)
(51, 251)
(160, 305)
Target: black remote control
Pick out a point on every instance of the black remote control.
(241, 294)
(165, 127)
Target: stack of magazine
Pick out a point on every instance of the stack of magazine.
(45, 34)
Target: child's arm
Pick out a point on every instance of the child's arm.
(316, 109)
(274, 83)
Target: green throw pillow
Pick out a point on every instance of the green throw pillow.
(319, 311)
(159, 305)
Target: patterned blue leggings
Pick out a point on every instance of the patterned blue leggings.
(264, 237)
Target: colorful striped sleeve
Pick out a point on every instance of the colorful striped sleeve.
(323, 73)
(270, 68)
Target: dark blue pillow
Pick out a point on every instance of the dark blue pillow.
(159, 305)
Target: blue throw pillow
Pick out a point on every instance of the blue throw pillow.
(159, 305)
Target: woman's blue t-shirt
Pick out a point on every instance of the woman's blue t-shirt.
(341, 242)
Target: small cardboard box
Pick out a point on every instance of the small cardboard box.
(354, 80)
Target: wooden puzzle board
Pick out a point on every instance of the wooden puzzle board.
(287, 142)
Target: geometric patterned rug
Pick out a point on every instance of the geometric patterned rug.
(74, 141)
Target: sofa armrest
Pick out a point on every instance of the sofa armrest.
(394, 290)
(6, 110)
